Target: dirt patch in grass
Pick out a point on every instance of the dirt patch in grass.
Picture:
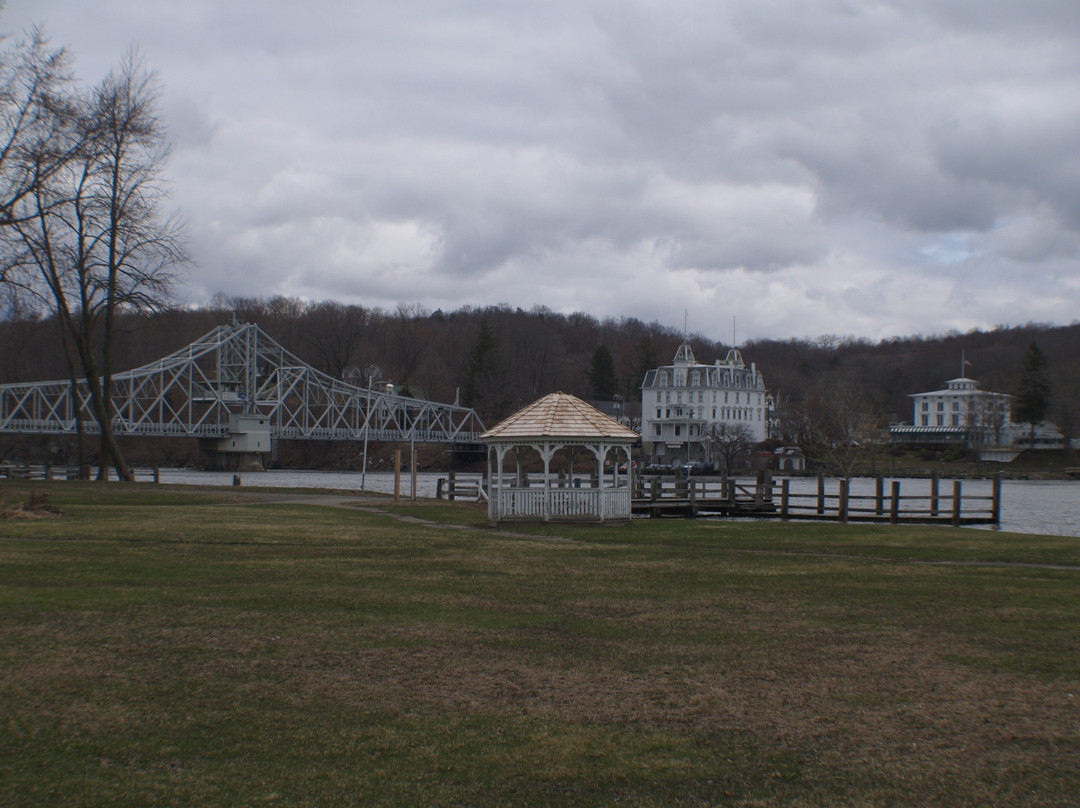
(34, 506)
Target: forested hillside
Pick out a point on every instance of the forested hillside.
(498, 359)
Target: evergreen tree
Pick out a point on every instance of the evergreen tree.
(484, 383)
(602, 374)
(1032, 391)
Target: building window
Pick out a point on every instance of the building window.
(678, 430)
(656, 429)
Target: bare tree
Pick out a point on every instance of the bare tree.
(334, 333)
(92, 239)
(838, 430)
(34, 81)
(727, 442)
(407, 322)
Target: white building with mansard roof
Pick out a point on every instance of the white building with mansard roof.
(682, 402)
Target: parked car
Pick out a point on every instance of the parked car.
(698, 468)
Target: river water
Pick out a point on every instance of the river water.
(1044, 507)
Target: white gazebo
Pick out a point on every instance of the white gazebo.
(562, 431)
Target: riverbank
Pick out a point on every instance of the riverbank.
(215, 646)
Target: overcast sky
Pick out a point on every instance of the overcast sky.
(803, 167)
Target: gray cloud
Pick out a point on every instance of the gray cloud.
(848, 166)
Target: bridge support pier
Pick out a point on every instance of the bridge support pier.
(233, 461)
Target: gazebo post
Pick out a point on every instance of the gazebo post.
(597, 450)
(492, 495)
(547, 483)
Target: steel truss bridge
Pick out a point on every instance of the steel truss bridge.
(235, 370)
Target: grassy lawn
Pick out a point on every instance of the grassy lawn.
(179, 646)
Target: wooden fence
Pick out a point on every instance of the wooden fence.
(893, 506)
(45, 471)
(830, 500)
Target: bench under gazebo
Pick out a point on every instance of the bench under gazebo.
(584, 454)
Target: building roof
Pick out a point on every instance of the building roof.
(907, 429)
(962, 386)
(559, 415)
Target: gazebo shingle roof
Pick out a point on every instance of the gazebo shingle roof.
(559, 415)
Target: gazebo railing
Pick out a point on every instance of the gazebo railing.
(562, 503)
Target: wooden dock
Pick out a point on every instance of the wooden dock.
(689, 497)
(831, 500)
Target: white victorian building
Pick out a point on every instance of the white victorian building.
(682, 404)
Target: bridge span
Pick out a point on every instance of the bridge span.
(234, 383)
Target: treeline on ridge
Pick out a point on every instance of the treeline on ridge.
(498, 359)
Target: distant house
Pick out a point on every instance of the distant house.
(683, 401)
(964, 415)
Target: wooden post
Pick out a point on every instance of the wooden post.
(785, 493)
(934, 494)
(451, 485)
(879, 495)
(438, 487)
(157, 474)
(995, 504)
(412, 467)
(820, 494)
(692, 492)
(956, 502)
(843, 506)
(397, 475)
(894, 504)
